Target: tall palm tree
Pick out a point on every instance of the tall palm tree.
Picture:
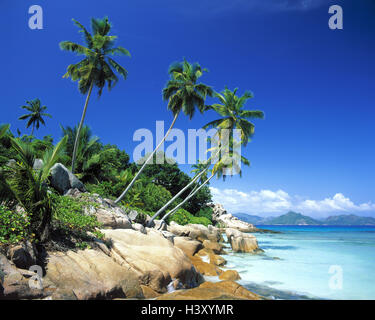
(233, 115)
(36, 114)
(96, 67)
(183, 93)
(229, 162)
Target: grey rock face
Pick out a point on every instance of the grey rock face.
(63, 180)
(38, 164)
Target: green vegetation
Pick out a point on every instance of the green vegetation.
(13, 226)
(184, 217)
(30, 209)
(21, 184)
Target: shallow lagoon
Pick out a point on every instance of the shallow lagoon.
(296, 263)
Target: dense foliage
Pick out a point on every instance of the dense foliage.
(184, 217)
(13, 226)
(105, 170)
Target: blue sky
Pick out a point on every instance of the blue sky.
(314, 152)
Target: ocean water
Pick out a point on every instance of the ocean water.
(310, 262)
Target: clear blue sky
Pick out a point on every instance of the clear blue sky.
(315, 85)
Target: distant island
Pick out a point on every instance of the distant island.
(295, 218)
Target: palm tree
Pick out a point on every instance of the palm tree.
(183, 93)
(233, 115)
(199, 169)
(228, 162)
(96, 67)
(21, 184)
(3, 130)
(87, 145)
(36, 114)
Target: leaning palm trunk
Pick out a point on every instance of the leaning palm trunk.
(176, 196)
(80, 127)
(148, 159)
(187, 198)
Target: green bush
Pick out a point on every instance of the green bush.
(183, 217)
(205, 212)
(69, 216)
(104, 189)
(154, 197)
(13, 227)
(201, 220)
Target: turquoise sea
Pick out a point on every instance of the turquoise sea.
(297, 262)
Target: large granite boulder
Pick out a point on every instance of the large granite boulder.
(187, 245)
(225, 219)
(230, 275)
(216, 247)
(14, 282)
(195, 231)
(213, 258)
(153, 258)
(205, 267)
(89, 274)
(223, 290)
(63, 180)
(242, 242)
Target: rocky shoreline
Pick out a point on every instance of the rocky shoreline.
(133, 261)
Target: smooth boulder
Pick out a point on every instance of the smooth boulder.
(154, 258)
(89, 274)
(63, 179)
(242, 242)
(223, 290)
(187, 245)
(230, 275)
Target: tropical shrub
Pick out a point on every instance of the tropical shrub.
(154, 197)
(205, 212)
(13, 226)
(21, 184)
(69, 215)
(183, 217)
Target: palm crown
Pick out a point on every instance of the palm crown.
(198, 168)
(234, 117)
(36, 114)
(183, 91)
(96, 67)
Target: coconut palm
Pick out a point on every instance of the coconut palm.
(88, 145)
(226, 164)
(199, 169)
(183, 93)
(36, 114)
(233, 115)
(96, 69)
